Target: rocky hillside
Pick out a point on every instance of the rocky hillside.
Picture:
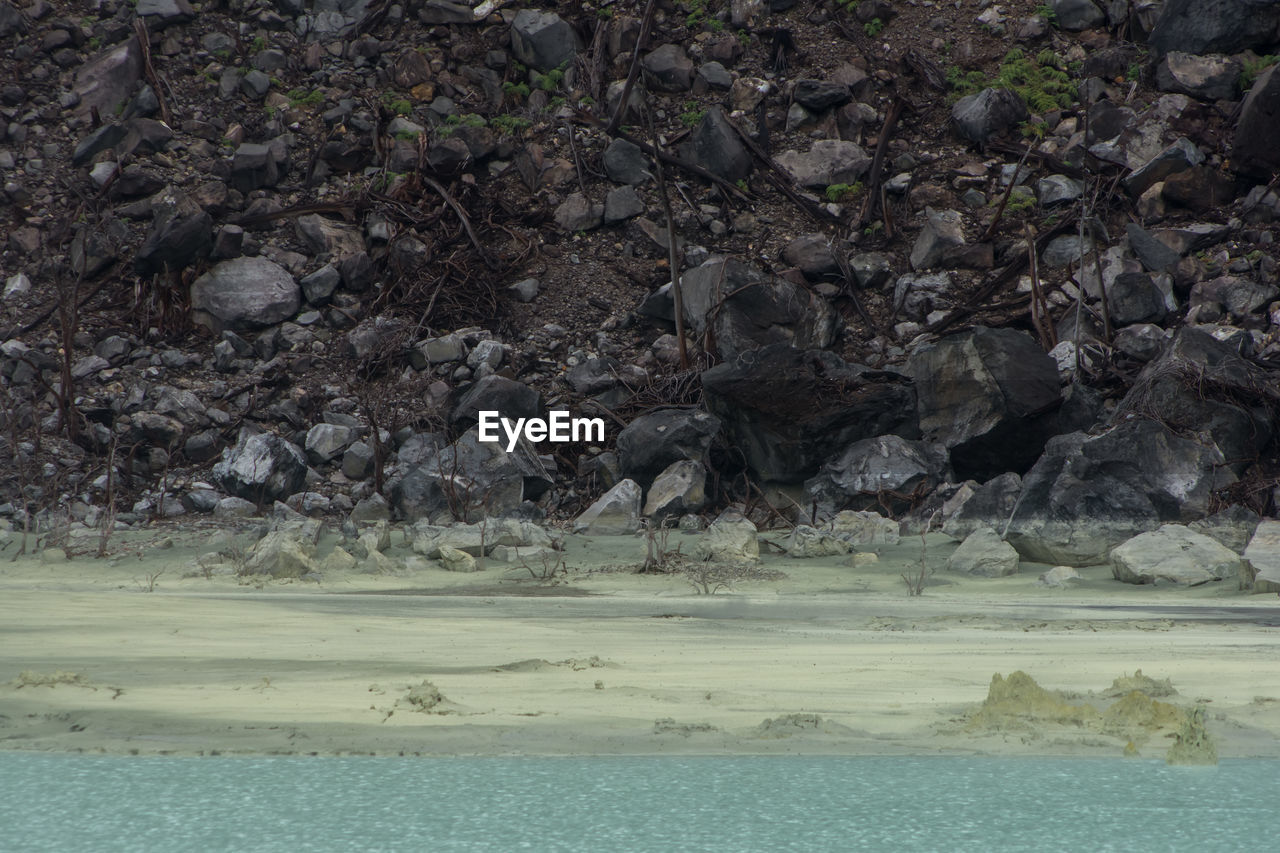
(962, 261)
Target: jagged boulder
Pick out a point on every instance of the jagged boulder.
(1253, 152)
(1215, 26)
(542, 40)
(1173, 554)
(988, 505)
(987, 114)
(1088, 494)
(827, 163)
(654, 441)
(1263, 558)
(1076, 15)
(789, 410)
(873, 470)
(746, 308)
(984, 394)
(286, 553)
(510, 398)
(985, 554)
(616, 512)
(244, 293)
(181, 234)
(730, 538)
(261, 467)
(1200, 385)
(715, 146)
(1208, 78)
(679, 489)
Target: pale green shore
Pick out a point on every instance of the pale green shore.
(837, 659)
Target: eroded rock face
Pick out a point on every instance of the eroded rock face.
(789, 410)
(262, 468)
(984, 395)
(1087, 494)
(1257, 128)
(652, 442)
(1215, 26)
(874, 470)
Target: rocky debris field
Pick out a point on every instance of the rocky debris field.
(1005, 269)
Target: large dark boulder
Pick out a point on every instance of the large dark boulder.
(1202, 387)
(542, 40)
(788, 410)
(887, 470)
(181, 234)
(244, 294)
(715, 146)
(511, 399)
(1087, 494)
(1215, 26)
(651, 443)
(987, 114)
(988, 395)
(262, 468)
(1255, 151)
(745, 308)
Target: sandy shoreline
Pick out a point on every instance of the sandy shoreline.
(839, 660)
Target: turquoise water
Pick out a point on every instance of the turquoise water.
(631, 805)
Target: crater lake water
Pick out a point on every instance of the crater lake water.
(631, 804)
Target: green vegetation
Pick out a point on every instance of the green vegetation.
(1020, 201)
(744, 38)
(1035, 128)
(1046, 12)
(408, 135)
(258, 43)
(1041, 81)
(305, 98)
(550, 81)
(519, 90)
(509, 125)
(873, 27)
(1253, 68)
(742, 184)
(838, 193)
(691, 115)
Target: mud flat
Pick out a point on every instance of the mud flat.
(108, 656)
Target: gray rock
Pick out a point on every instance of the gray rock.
(526, 290)
(864, 527)
(371, 509)
(494, 393)
(446, 12)
(715, 76)
(440, 350)
(1154, 255)
(828, 162)
(984, 554)
(255, 84)
(869, 470)
(357, 461)
(1076, 15)
(1178, 157)
(808, 542)
(1142, 341)
(1135, 298)
(615, 513)
(1173, 554)
(679, 489)
(652, 442)
(542, 40)
(988, 113)
(747, 308)
(1232, 527)
(812, 254)
(819, 95)
(668, 69)
(1233, 296)
(625, 163)
(982, 394)
(326, 441)
(318, 287)
(1214, 26)
(1057, 189)
(942, 233)
(789, 410)
(1065, 250)
(108, 136)
(715, 146)
(1058, 577)
(1263, 558)
(453, 560)
(163, 13)
(244, 293)
(1209, 78)
(988, 505)
(1088, 494)
(621, 204)
(261, 467)
(870, 269)
(730, 538)
(256, 165)
(282, 554)
(1253, 151)
(181, 234)
(109, 79)
(578, 213)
